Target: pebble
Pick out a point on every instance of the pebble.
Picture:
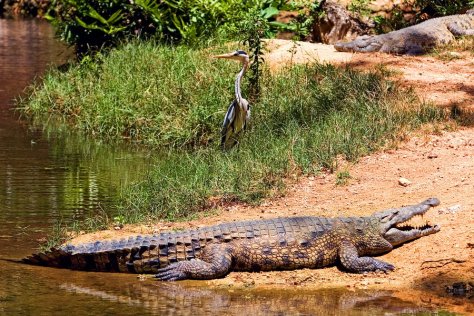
(404, 182)
(450, 210)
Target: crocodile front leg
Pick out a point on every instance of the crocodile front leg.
(349, 257)
(214, 262)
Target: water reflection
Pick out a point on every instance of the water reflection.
(61, 177)
(89, 293)
(182, 299)
(27, 47)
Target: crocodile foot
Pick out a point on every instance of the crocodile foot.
(214, 262)
(173, 272)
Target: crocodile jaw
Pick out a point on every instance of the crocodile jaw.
(404, 224)
(397, 237)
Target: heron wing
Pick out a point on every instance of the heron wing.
(228, 122)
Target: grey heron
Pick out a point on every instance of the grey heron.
(238, 112)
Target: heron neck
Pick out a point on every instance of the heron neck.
(238, 94)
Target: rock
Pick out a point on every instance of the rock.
(118, 226)
(432, 155)
(404, 182)
(381, 5)
(337, 24)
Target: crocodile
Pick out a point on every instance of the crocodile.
(286, 243)
(416, 39)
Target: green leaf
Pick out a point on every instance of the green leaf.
(283, 26)
(179, 24)
(94, 14)
(114, 18)
(111, 30)
(269, 12)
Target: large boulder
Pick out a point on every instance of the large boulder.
(334, 23)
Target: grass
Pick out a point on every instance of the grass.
(343, 177)
(455, 49)
(149, 94)
(56, 236)
(173, 99)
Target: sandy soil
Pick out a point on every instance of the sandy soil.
(437, 164)
(445, 82)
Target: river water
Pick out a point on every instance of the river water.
(50, 177)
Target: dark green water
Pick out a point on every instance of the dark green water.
(45, 178)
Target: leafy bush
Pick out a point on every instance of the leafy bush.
(97, 23)
(436, 8)
(92, 24)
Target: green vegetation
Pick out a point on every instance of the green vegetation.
(57, 236)
(360, 6)
(165, 97)
(174, 98)
(91, 25)
(436, 8)
(305, 118)
(342, 177)
(453, 50)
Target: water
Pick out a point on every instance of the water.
(45, 178)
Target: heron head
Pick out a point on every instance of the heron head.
(237, 55)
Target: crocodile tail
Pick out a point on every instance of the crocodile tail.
(55, 257)
(68, 258)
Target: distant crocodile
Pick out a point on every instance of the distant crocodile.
(273, 244)
(415, 39)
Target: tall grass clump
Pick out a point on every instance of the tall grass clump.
(150, 94)
(174, 99)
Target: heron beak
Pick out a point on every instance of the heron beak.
(229, 55)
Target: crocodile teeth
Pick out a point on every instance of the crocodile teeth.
(416, 222)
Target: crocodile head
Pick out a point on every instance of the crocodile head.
(364, 43)
(400, 225)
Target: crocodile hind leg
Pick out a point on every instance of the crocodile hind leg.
(350, 260)
(459, 31)
(214, 262)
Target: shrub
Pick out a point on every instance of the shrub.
(90, 25)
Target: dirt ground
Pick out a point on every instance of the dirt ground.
(437, 164)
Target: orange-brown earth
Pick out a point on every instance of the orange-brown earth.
(437, 164)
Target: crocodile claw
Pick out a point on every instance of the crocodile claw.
(383, 266)
(173, 272)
